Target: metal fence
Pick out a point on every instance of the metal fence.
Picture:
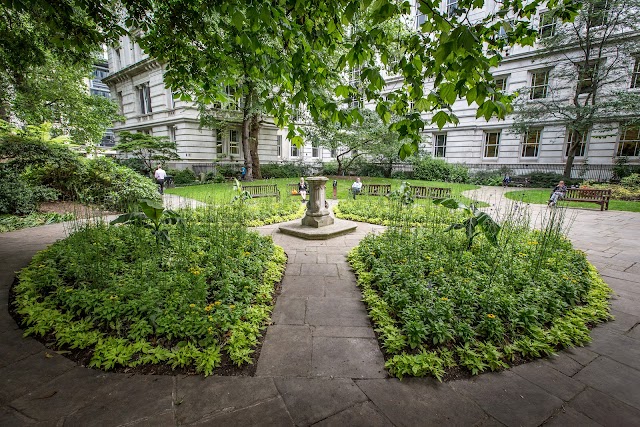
(581, 171)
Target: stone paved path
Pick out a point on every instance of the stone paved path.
(320, 364)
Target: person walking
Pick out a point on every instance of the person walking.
(303, 187)
(160, 175)
(356, 188)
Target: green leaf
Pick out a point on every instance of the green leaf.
(448, 93)
(342, 91)
(440, 118)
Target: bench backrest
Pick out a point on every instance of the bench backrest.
(431, 192)
(263, 190)
(376, 189)
(588, 193)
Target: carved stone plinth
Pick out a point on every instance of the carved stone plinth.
(317, 214)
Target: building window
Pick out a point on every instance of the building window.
(501, 85)
(539, 84)
(635, 75)
(598, 13)
(547, 24)
(629, 145)
(491, 144)
(334, 152)
(171, 102)
(587, 73)
(452, 6)
(234, 142)
(219, 142)
(144, 97)
(295, 152)
(421, 18)
(172, 133)
(315, 149)
(581, 150)
(120, 103)
(531, 143)
(440, 145)
(279, 145)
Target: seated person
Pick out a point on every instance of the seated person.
(558, 192)
(302, 189)
(356, 187)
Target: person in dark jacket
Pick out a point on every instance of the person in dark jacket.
(558, 192)
(303, 187)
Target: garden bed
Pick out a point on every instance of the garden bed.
(116, 298)
(444, 311)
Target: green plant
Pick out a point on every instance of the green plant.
(403, 195)
(152, 216)
(430, 169)
(475, 219)
(183, 176)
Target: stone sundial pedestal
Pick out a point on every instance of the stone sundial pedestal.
(317, 214)
(317, 224)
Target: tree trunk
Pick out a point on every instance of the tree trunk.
(576, 138)
(253, 145)
(246, 149)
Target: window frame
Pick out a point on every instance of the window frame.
(144, 99)
(234, 143)
(451, 7)
(217, 133)
(635, 74)
(526, 143)
(535, 84)
(495, 145)
(503, 89)
(582, 69)
(582, 147)
(622, 141)
(603, 6)
(543, 26)
(294, 151)
(279, 146)
(315, 149)
(440, 147)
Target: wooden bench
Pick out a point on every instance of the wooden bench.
(591, 195)
(264, 190)
(431, 192)
(291, 188)
(376, 189)
(519, 181)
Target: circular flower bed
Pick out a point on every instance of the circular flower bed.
(130, 299)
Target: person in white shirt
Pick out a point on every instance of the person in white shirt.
(356, 188)
(160, 176)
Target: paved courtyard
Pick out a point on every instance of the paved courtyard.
(321, 365)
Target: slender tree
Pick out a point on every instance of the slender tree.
(591, 60)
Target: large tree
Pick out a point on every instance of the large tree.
(590, 62)
(453, 49)
(150, 150)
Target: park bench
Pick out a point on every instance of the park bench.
(592, 195)
(292, 189)
(263, 190)
(519, 181)
(169, 182)
(376, 189)
(431, 192)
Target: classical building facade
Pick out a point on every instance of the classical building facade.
(491, 144)
(137, 84)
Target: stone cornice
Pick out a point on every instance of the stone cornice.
(132, 70)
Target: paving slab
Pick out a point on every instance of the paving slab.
(319, 270)
(510, 399)
(622, 321)
(134, 399)
(616, 346)
(14, 347)
(421, 402)
(199, 398)
(269, 413)
(289, 311)
(164, 419)
(570, 417)
(303, 286)
(311, 400)
(634, 333)
(613, 378)
(360, 415)
(549, 379)
(347, 358)
(582, 355)
(336, 312)
(605, 409)
(29, 373)
(343, 331)
(286, 351)
(563, 363)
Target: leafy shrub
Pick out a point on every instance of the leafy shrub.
(401, 175)
(631, 182)
(622, 169)
(370, 169)
(20, 197)
(183, 176)
(111, 291)
(487, 177)
(330, 168)
(282, 170)
(112, 186)
(430, 169)
(549, 179)
(134, 163)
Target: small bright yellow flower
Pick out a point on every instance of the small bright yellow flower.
(210, 318)
(444, 299)
(232, 306)
(192, 305)
(208, 308)
(491, 316)
(217, 303)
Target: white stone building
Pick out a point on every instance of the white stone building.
(137, 84)
(486, 145)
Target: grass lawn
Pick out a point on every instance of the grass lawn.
(224, 191)
(542, 197)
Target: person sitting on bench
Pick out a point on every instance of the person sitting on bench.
(558, 192)
(356, 188)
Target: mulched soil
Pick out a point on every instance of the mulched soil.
(80, 210)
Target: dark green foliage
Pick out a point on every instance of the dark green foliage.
(153, 216)
(549, 180)
(370, 169)
(623, 169)
(18, 196)
(35, 219)
(401, 175)
(282, 170)
(486, 178)
(476, 219)
(330, 169)
(133, 163)
(183, 176)
(431, 169)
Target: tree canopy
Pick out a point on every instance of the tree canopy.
(149, 149)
